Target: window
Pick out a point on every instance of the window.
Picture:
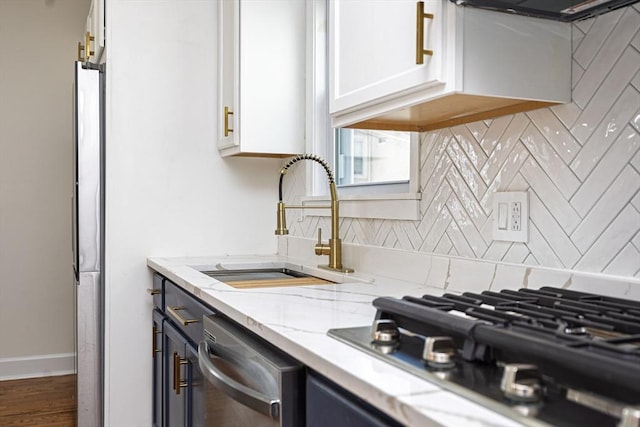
(370, 157)
(376, 171)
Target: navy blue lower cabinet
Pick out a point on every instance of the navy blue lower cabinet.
(176, 372)
(158, 320)
(330, 405)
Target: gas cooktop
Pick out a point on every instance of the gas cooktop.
(547, 356)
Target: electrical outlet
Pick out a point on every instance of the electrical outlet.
(511, 216)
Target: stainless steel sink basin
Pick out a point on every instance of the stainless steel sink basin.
(264, 277)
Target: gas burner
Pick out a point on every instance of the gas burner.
(552, 355)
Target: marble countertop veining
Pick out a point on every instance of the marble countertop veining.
(296, 319)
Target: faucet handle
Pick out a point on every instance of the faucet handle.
(321, 249)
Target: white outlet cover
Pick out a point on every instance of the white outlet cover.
(510, 234)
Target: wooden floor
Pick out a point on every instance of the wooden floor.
(47, 401)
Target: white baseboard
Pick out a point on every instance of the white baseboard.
(45, 365)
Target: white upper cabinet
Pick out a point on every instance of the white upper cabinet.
(94, 39)
(261, 86)
(416, 66)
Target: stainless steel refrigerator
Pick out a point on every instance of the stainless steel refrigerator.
(88, 240)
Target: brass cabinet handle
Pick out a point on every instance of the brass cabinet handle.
(174, 312)
(80, 49)
(88, 39)
(227, 113)
(177, 382)
(154, 291)
(420, 17)
(154, 341)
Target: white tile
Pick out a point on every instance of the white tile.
(466, 170)
(612, 163)
(608, 51)
(635, 121)
(497, 249)
(607, 94)
(444, 245)
(613, 200)
(502, 150)
(540, 249)
(428, 141)
(635, 82)
(469, 145)
(477, 129)
(635, 202)
(459, 241)
(531, 260)
(517, 253)
(556, 134)
(466, 226)
(466, 198)
(636, 41)
(635, 162)
(636, 6)
(636, 241)
(438, 203)
(440, 225)
(435, 166)
(409, 232)
(553, 200)
(576, 73)
(550, 162)
(614, 238)
(626, 263)
(609, 129)
(552, 232)
(507, 172)
(494, 132)
(567, 113)
(583, 26)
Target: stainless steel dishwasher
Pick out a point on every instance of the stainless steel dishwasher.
(248, 382)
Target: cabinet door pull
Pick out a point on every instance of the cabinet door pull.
(177, 382)
(80, 49)
(154, 341)
(88, 39)
(174, 312)
(420, 17)
(227, 113)
(154, 291)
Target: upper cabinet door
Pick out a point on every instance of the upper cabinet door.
(422, 65)
(374, 49)
(262, 60)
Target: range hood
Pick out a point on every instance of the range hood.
(559, 10)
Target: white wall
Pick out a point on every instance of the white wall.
(579, 162)
(38, 40)
(168, 191)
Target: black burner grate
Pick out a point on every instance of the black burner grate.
(580, 340)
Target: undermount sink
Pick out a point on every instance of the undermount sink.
(264, 278)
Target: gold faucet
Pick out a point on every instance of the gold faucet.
(334, 248)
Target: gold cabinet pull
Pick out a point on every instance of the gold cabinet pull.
(420, 17)
(227, 113)
(80, 49)
(177, 382)
(88, 39)
(174, 312)
(154, 341)
(154, 291)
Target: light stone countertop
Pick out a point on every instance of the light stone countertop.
(296, 319)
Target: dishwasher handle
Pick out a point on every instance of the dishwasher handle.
(238, 392)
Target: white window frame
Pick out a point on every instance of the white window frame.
(378, 201)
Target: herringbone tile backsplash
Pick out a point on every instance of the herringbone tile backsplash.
(579, 162)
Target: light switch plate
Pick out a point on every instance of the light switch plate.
(511, 216)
